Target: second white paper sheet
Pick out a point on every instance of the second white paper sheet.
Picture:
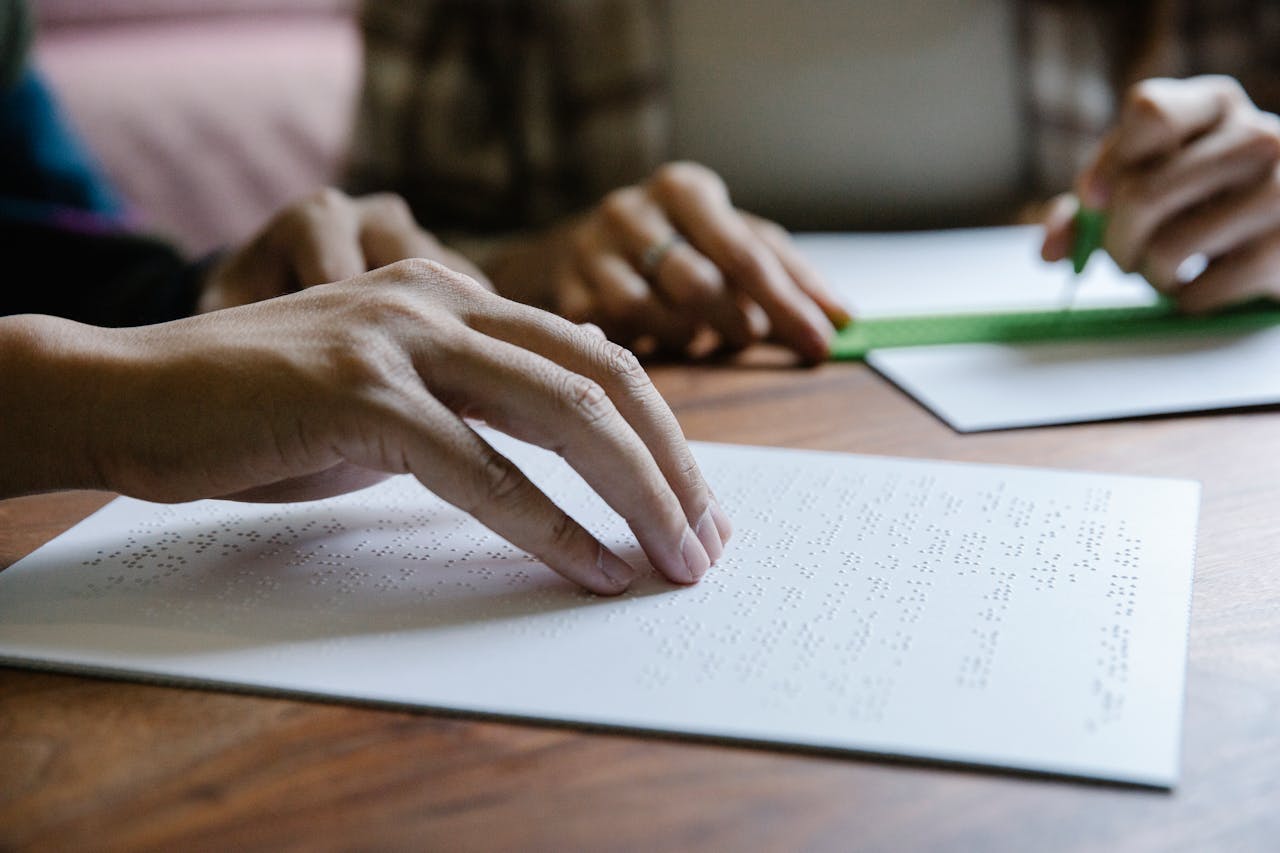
(1012, 617)
(976, 387)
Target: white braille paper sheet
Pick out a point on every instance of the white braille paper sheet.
(991, 615)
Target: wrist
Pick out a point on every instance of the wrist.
(54, 384)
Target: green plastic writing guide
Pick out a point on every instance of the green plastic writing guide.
(1089, 226)
(861, 336)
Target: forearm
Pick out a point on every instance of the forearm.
(51, 388)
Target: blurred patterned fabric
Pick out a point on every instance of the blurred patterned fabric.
(495, 115)
(1080, 55)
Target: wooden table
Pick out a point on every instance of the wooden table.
(85, 762)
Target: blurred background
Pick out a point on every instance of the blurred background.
(207, 115)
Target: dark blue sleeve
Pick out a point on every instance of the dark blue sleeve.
(66, 243)
(100, 279)
(41, 160)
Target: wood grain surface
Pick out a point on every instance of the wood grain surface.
(97, 764)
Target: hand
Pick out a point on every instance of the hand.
(1191, 171)
(662, 261)
(375, 374)
(325, 237)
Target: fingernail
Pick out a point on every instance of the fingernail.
(723, 525)
(696, 561)
(841, 317)
(709, 536)
(614, 568)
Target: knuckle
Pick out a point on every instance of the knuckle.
(322, 206)
(1148, 104)
(1262, 133)
(394, 310)
(363, 360)
(1224, 87)
(426, 273)
(574, 304)
(1268, 123)
(743, 262)
(621, 369)
(417, 271)
(562, 534)
(621, 364)
(772, 230)
(681, 177)
(688, 474)
(327, 198)
(670, 177)
(618, 208)
(585, 398)
(1145, 96)
(703, 278)
(498, 482)
(392, 207)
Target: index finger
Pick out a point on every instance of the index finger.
(801, 271)
(322, 240)
(423, 437)
(701, 211)
(619, 373)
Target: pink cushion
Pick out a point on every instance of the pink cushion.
(209, 125)
(80, 12)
